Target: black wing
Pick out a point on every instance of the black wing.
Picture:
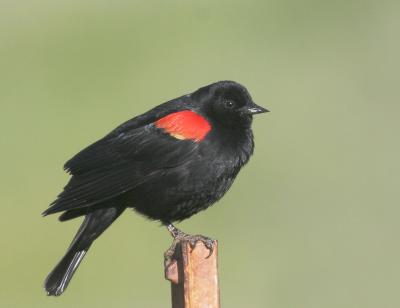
(130, 155)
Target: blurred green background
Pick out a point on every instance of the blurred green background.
(312, 221)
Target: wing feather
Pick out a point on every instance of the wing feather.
(119, 162)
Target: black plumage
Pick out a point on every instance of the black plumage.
(165, 173)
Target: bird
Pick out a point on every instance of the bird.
(167, 164)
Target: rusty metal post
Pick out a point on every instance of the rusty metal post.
(194, 277)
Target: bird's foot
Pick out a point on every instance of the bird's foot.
(180, 237)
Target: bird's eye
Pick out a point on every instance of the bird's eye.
(229, 104)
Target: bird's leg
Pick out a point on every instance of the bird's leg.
(180, 236)
(169, 255)
(174, 231)
(192, 239)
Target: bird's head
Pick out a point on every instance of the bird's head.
(228, 103)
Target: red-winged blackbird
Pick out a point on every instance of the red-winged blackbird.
(168, 164)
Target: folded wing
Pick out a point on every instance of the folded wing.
(125, 158)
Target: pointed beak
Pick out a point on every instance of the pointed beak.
(254, 109)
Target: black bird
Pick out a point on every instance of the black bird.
(168, 164)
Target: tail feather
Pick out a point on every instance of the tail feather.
(59, 278)
(94, 224)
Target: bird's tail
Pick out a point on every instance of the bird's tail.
(94, 224)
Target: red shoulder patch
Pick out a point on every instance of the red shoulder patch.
(185, 125)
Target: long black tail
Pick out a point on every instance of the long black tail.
(94, 224)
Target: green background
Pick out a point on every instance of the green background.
(312, 221)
